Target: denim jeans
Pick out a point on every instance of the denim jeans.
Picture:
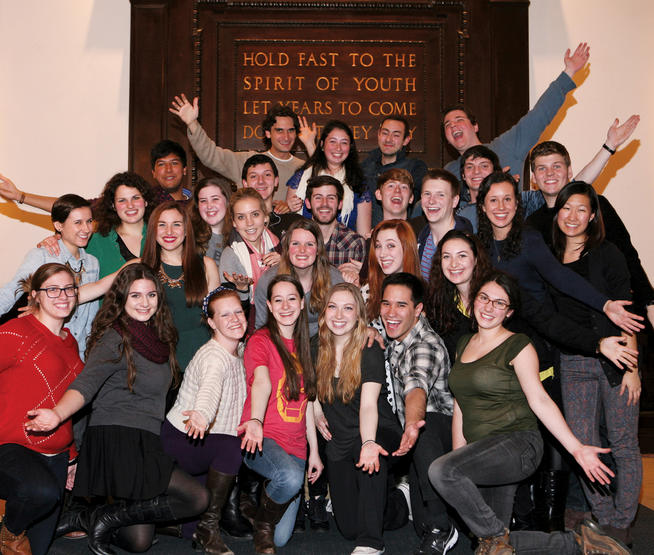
(33, 485)
(286, 475)
(479, 480)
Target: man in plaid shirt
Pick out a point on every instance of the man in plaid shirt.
(419, 367)
(324, 200)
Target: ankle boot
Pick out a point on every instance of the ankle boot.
(73, 519)
(268, 515)
(207, 534)
(106, 519)
(233, 523)
(12, 544)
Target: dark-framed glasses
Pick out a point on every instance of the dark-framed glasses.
(499, 304)
(55, 292)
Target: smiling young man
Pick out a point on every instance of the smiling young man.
(395, 194)
(393, 138)
(512, 146)
(260, 173)
(419, 367)
(280, 128)
(324, 200)
(168, 162)
(439, 198)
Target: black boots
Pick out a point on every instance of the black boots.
(106, 519)
(207, 535)
(268, 515)
(550, 499)
(233, 522)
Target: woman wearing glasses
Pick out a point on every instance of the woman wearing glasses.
(38, 361)
(495, 437)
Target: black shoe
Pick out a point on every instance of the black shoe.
(300, 524)
(317, 514)
(437, 542)
(73, 520)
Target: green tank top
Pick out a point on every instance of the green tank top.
(489, 393)
(188, 320)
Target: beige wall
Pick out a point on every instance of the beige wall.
(64, 100)
(64, 103)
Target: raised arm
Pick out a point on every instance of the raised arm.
(186, 111)
(615, 137)
(95, 290)
(575, 61)
(526, 369)
(307, 135)
(9, 191)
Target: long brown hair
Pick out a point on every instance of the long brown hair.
(113, 311)
(320, 278)
(201, 228)
(350, 371)
(195, 281)
(442, 295)
(300, 363)
(411, 262)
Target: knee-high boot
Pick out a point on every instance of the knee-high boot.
(232, 521)
(13, 544)
(207, 533)
(268, 515)
(107, 519)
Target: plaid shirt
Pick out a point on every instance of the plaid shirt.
(421, 360)
(345, 245)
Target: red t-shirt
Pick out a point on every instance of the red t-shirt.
(284, 420)
(36, 368)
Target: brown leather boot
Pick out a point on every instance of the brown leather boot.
(207, 532)
(268, 515)
(495, 545)
(11, 544)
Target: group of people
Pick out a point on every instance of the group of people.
(432, 344)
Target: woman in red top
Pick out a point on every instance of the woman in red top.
(280, 381)
(38, 361)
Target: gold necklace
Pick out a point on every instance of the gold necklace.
(172, 283)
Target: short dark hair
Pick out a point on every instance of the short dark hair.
(401, 119)
(165, 148)
(414, 283)
(463, 109)
(64, 205)
(479, 151)
(104, 211)
(258, 160)
(278, 111)
(439, 173)
(545, 149)
(395, 174)
(321, 181)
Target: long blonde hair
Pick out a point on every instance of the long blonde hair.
(350, 373)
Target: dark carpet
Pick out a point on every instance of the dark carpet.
(398, 542)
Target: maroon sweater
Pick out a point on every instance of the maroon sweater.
(36, 368)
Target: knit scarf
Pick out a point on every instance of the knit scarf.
(145, 341)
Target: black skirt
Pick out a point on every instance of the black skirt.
(122, 462)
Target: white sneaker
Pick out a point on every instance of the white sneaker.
(363, 550)
(404, 488)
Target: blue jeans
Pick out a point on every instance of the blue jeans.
(286, 475)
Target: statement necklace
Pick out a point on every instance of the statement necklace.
(170, 282)
(77, 274)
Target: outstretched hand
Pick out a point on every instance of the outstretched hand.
(595, 469)
(240, 281)
(195, 425)
(409, 438)
(618, 134)
(252, 432)
(8, 190)
(42, 420)
(573, 63)
(308, 134)
(628, 321)
(186, 111)
(369, 457)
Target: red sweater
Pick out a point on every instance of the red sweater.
(36, 368)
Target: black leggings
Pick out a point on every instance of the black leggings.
(33, 486)
(186, 498)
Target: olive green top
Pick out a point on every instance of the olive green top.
(489, 393)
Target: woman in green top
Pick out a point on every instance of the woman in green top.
(170, 250)
(495, 438)
(121, 214)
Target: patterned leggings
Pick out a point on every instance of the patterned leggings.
(586, 392)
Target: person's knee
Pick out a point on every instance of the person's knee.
(438, 474)
(42, 494)
(289, 480)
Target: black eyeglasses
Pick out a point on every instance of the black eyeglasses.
(500, 304)
(55, 292)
